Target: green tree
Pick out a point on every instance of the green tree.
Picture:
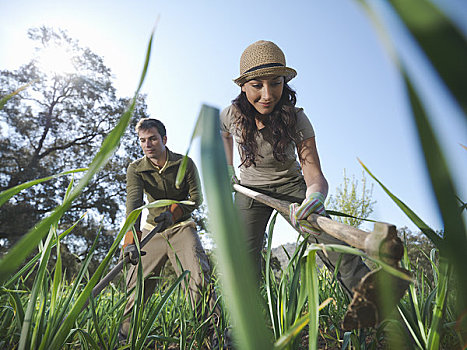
(351, 200)
(55, 124)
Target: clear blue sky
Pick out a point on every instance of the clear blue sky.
(347, 84)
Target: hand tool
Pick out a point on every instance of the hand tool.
(379, 291)
(119, 267)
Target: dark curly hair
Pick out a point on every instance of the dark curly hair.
(281, 121)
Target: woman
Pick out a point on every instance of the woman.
(268, 129)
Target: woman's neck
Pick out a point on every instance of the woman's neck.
(261, 121)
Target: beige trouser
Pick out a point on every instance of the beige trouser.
(179, 241)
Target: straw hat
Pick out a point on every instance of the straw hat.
(263, 58)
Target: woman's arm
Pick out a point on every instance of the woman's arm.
(311, 167)
(228, 146)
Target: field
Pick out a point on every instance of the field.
(298, 307)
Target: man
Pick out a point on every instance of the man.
(154, 175)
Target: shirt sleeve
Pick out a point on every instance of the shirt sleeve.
(226, 119)
(303, 130)
(134, 190)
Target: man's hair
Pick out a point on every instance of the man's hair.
(149, 123)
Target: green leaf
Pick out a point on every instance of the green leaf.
(292, 332)
(271, 301)
(443, 43)
(455, 232)
(156, 311)
(26, 334)
(238, 279)
(181, 172)
(21, 250)
(313, 300)
(5, 99)
(437, 240)
(7, 194)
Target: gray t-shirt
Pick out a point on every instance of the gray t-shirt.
(268, 170)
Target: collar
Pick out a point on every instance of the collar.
(144, 164)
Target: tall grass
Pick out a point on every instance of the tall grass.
(287, 313)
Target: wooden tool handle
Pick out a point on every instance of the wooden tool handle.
(345, 233)
(382, 242)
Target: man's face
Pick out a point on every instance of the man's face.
(152, 143)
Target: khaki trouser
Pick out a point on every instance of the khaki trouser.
(255, 216)
(179, 241)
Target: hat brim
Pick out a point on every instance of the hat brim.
(286, 72)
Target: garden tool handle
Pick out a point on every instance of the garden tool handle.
(104, 282)
(382, 242)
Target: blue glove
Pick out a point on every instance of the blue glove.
(298, 213)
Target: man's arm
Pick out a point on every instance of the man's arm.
(134, 193)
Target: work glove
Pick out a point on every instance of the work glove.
(129, 247)
(299, 213)
(166, 218)
(132, 251)
(233, 178)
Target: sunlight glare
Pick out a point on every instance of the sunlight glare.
(56, 60)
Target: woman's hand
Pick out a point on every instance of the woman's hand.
(298, 214)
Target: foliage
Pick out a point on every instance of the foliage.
(349, 200)
(431, 316)
(442, 42)
(57, 121)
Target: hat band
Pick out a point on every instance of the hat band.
(267, 65)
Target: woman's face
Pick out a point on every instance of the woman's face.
(264, 93)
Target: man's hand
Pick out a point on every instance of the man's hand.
(298, 213)
(166, 218)
(132, 251)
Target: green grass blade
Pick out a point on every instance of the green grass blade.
(455, 233)
(18, 307)
(89, 340)
(443, 43)
(271, 299)
(63, 332)
(238, 280)
(7, 194)
(292, 332)
(25, 338)
(313, 300)
(411, 327)
(77, 282)
(5, 99)
(156, 311)
(57, 277)
(31, 262)
(437, 240)
(137, 312)
(434, 334)
(109, 145)
(56, 286)
(181, 172)
(18, 253)
(103, 343)
(344, 215)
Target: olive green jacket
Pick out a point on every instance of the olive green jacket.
(143, 177)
